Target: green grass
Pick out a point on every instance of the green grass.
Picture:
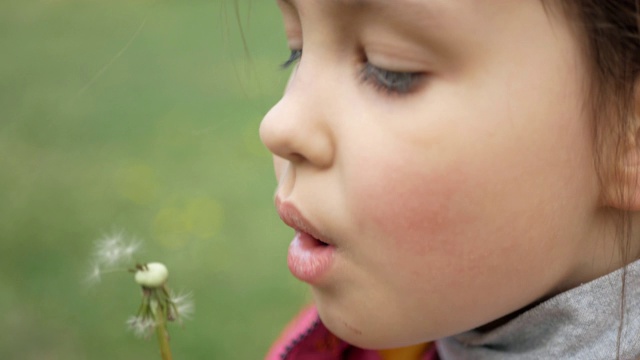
(140, 116)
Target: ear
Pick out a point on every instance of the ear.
(627, 178)
(623, 182)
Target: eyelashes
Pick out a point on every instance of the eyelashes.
(393, 82)
(293, 58)
(390, 82)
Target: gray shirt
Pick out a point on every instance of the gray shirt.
(582, 323)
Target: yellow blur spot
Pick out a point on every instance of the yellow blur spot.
(199, 218)
(205, 217)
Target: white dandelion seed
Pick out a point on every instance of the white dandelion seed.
(130, 249)
(114, 249)
(183, 306)
(113, 253)
(141, 326)
(95, 275)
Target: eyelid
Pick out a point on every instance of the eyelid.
(292, 24)
(390, 81)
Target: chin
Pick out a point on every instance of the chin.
(358, 332)
(373, 332)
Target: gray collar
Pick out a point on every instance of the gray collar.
(581, 323)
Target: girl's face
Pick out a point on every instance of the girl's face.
(442, 150)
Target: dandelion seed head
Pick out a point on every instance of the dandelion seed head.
(152, 275)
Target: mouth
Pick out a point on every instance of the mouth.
(311, 254)
(291, 216)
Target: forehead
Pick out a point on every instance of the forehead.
(369, 3)
(417, 11)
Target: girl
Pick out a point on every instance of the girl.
(462, 178)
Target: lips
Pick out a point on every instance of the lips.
(291, 216)
(311, 254)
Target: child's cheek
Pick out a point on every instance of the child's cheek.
(417, 207)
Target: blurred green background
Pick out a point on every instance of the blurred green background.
(140, 116)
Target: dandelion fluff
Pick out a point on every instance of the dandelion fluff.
(114, 249)
(182, 305)
(141, 326)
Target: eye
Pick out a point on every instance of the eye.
(392, 82)
(293, 58)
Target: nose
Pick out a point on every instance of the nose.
(296, 128)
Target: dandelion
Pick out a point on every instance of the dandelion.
(159, 304)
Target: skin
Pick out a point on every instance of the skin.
(453, 204)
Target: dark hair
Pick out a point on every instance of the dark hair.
(611, 37)
(610, 34)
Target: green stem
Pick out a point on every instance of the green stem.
(161, 331)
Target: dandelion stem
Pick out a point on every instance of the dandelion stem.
(161, 331)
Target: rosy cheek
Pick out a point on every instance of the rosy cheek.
(419, 209)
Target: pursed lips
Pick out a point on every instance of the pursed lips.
(291, 216)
